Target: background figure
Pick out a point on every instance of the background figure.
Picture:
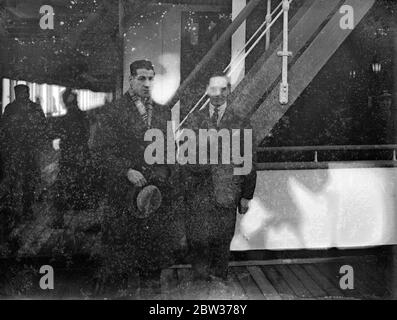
(23, 134)
(385, 116)
(380, 130)
(73, 130)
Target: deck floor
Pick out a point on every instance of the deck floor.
(284, 280)
(249, 280)
(267, 279)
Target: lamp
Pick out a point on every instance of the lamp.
(376, 65)
(353, 74)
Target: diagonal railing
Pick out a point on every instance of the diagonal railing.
(250, 45)
(318, 162)
(231, 29)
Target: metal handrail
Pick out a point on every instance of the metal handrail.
(317, 149)
(325, 165)
(215, 49)
(330, 148)
(268, 23)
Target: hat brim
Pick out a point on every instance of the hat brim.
(148, 201)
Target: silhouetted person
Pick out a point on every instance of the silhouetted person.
(22, 136)
(384, 117)
(74, 132)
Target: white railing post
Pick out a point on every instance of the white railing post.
(268, 21)
(285, 54)
(238, 45)
(240, 56)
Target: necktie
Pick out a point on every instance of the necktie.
(214, 118)
(149, 113)
(146, 111)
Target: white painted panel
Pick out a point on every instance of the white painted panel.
(314, 209)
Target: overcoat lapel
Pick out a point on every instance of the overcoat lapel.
(133, 118)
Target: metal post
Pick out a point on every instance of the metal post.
(394, 103)
(284, 54)
(392, 270)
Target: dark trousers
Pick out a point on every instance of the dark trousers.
(28, 188)
(210, 230)
(143, 246)
(72, 187)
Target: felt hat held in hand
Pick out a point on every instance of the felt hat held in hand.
(144, 201)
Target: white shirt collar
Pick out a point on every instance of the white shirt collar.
(222, 110)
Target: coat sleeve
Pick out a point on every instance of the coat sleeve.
(3, 122)
(249, 184)
(41, 128)
(56, 128)
(87, 127)
(6, 116)
(249, 181)
(110, 148)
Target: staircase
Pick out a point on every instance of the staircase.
(314, 40)
(314, 36)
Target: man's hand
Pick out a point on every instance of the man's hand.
(136, 178)
(56, 144)
(244, 206)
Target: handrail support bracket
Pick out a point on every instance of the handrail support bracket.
(284, 54)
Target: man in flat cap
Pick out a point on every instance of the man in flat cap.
(135, 242)
(23, 134)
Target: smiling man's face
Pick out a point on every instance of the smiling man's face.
(142, 83)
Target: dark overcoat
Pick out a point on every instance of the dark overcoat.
(117, 147)
(219, 181)
(213, 194)
(23, 127)
(23, 136)
(72, 188)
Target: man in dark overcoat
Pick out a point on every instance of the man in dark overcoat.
(215, 191)
(137, 244)
(23, 135)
